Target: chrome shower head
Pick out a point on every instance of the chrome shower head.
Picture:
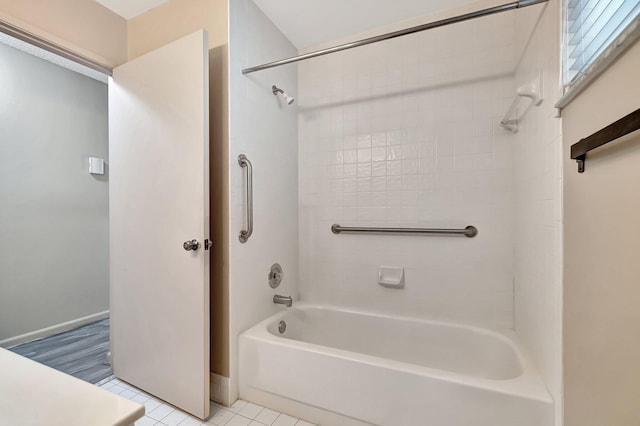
(288, 99)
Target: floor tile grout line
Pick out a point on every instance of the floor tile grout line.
(233, 412)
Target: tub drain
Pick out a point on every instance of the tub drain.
(282, 326)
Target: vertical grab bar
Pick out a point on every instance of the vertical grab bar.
(245, 163)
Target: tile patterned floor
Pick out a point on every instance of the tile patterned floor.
(242, 413)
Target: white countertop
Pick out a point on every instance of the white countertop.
(32, 394)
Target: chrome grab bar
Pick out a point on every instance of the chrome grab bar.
(245, 163)
(469, 231)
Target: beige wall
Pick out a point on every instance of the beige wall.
(602, 248)
(82, 26)
(175, 19)
(219, 208)
(156, 28)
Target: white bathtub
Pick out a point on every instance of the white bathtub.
(354, 367)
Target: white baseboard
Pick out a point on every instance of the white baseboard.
(219, 389)
(54, 329)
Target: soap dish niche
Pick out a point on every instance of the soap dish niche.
(391, 277)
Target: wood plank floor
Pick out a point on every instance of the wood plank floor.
(81, 352)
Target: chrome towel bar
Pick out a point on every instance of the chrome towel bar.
(245, 163)
(469, 231)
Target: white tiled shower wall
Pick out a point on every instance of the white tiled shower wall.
(264, 129)
(405, 133)
(538, 207)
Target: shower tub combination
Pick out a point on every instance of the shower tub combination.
(362, 368)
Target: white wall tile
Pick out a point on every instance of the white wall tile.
(537, 152)
(266, 130)
(402, 133)
(419, 149)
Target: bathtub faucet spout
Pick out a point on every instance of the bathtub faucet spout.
(283, 300)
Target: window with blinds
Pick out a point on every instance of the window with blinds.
(590, 26)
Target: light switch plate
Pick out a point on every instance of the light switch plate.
(96, 166)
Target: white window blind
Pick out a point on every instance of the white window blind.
(590, 26)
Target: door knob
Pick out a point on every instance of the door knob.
(191, 245)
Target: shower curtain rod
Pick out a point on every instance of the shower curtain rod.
(441, 23)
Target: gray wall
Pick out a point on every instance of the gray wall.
(53, 213)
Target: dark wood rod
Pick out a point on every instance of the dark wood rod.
(625, 125)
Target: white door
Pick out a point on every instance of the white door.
(159, 199)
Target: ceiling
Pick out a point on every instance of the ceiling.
(130, 8)
(308, 23)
